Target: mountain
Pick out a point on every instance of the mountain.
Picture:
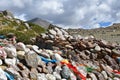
(23, 30)
(110, 33)
(45, 24)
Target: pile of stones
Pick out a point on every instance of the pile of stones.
(57, 55)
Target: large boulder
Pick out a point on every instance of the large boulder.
(11, 51)
(32, 60)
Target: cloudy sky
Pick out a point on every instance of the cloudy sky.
(67, 13)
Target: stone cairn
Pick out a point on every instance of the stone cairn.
(57, 55)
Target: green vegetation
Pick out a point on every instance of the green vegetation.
(22, 33)
(37, 28)
(1, 15)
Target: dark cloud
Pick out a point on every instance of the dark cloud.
(66, 13)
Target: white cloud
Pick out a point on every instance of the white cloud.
(50, 6)
(70, 13)
(95, 26)
(22, 17)
(18, 3)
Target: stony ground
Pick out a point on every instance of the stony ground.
(57, 55)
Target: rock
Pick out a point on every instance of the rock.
(82, 46)
(64, 32)
(50, 37)
(57, 75)
(49, 44)
(21, 54)
(58, 57)
(108, 68)
(116, 52)
(13, 72)
(3, 54)
(52, 32)
(87, 52)
(90, 45)
(39, 70)
(72, 76)
(35, 48)
(110, 78)
(58, 69)
(11, 51)
(7, 13)
(65, 72)
(50, 77)
(24, 73)
(97, 48)
(59, 32)
(69, 46)
(33, 76)
(103, 43)
(49, 68)
(109, 73)
(27, 25)
(44, 70)
(41, 76)
(27, 50)
(76, 36)
(93, 56)
(115, 78)
(21, 66)
(82, 70)
(104, 74)
(1, 62)
(43, 35)
(93, 76)
(108, 50)
(34, 70)
(50, 52)
(25, 78)
(84, 56)
(40, 62)
(18, 21)
(44, 54)
(10, 61)
(32, 60)
(111, 62)
(2, 75)
(20, 46)
(88, 79)
(99, 76)
(62, 37)
(63, 79)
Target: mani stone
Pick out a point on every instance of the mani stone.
(116, 52)
(97, 48)
(32, 60)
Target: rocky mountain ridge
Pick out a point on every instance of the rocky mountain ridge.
(110, 33)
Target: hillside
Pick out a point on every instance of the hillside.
(110, 33)
(23, 30)
(36, 26)
(55, 54)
